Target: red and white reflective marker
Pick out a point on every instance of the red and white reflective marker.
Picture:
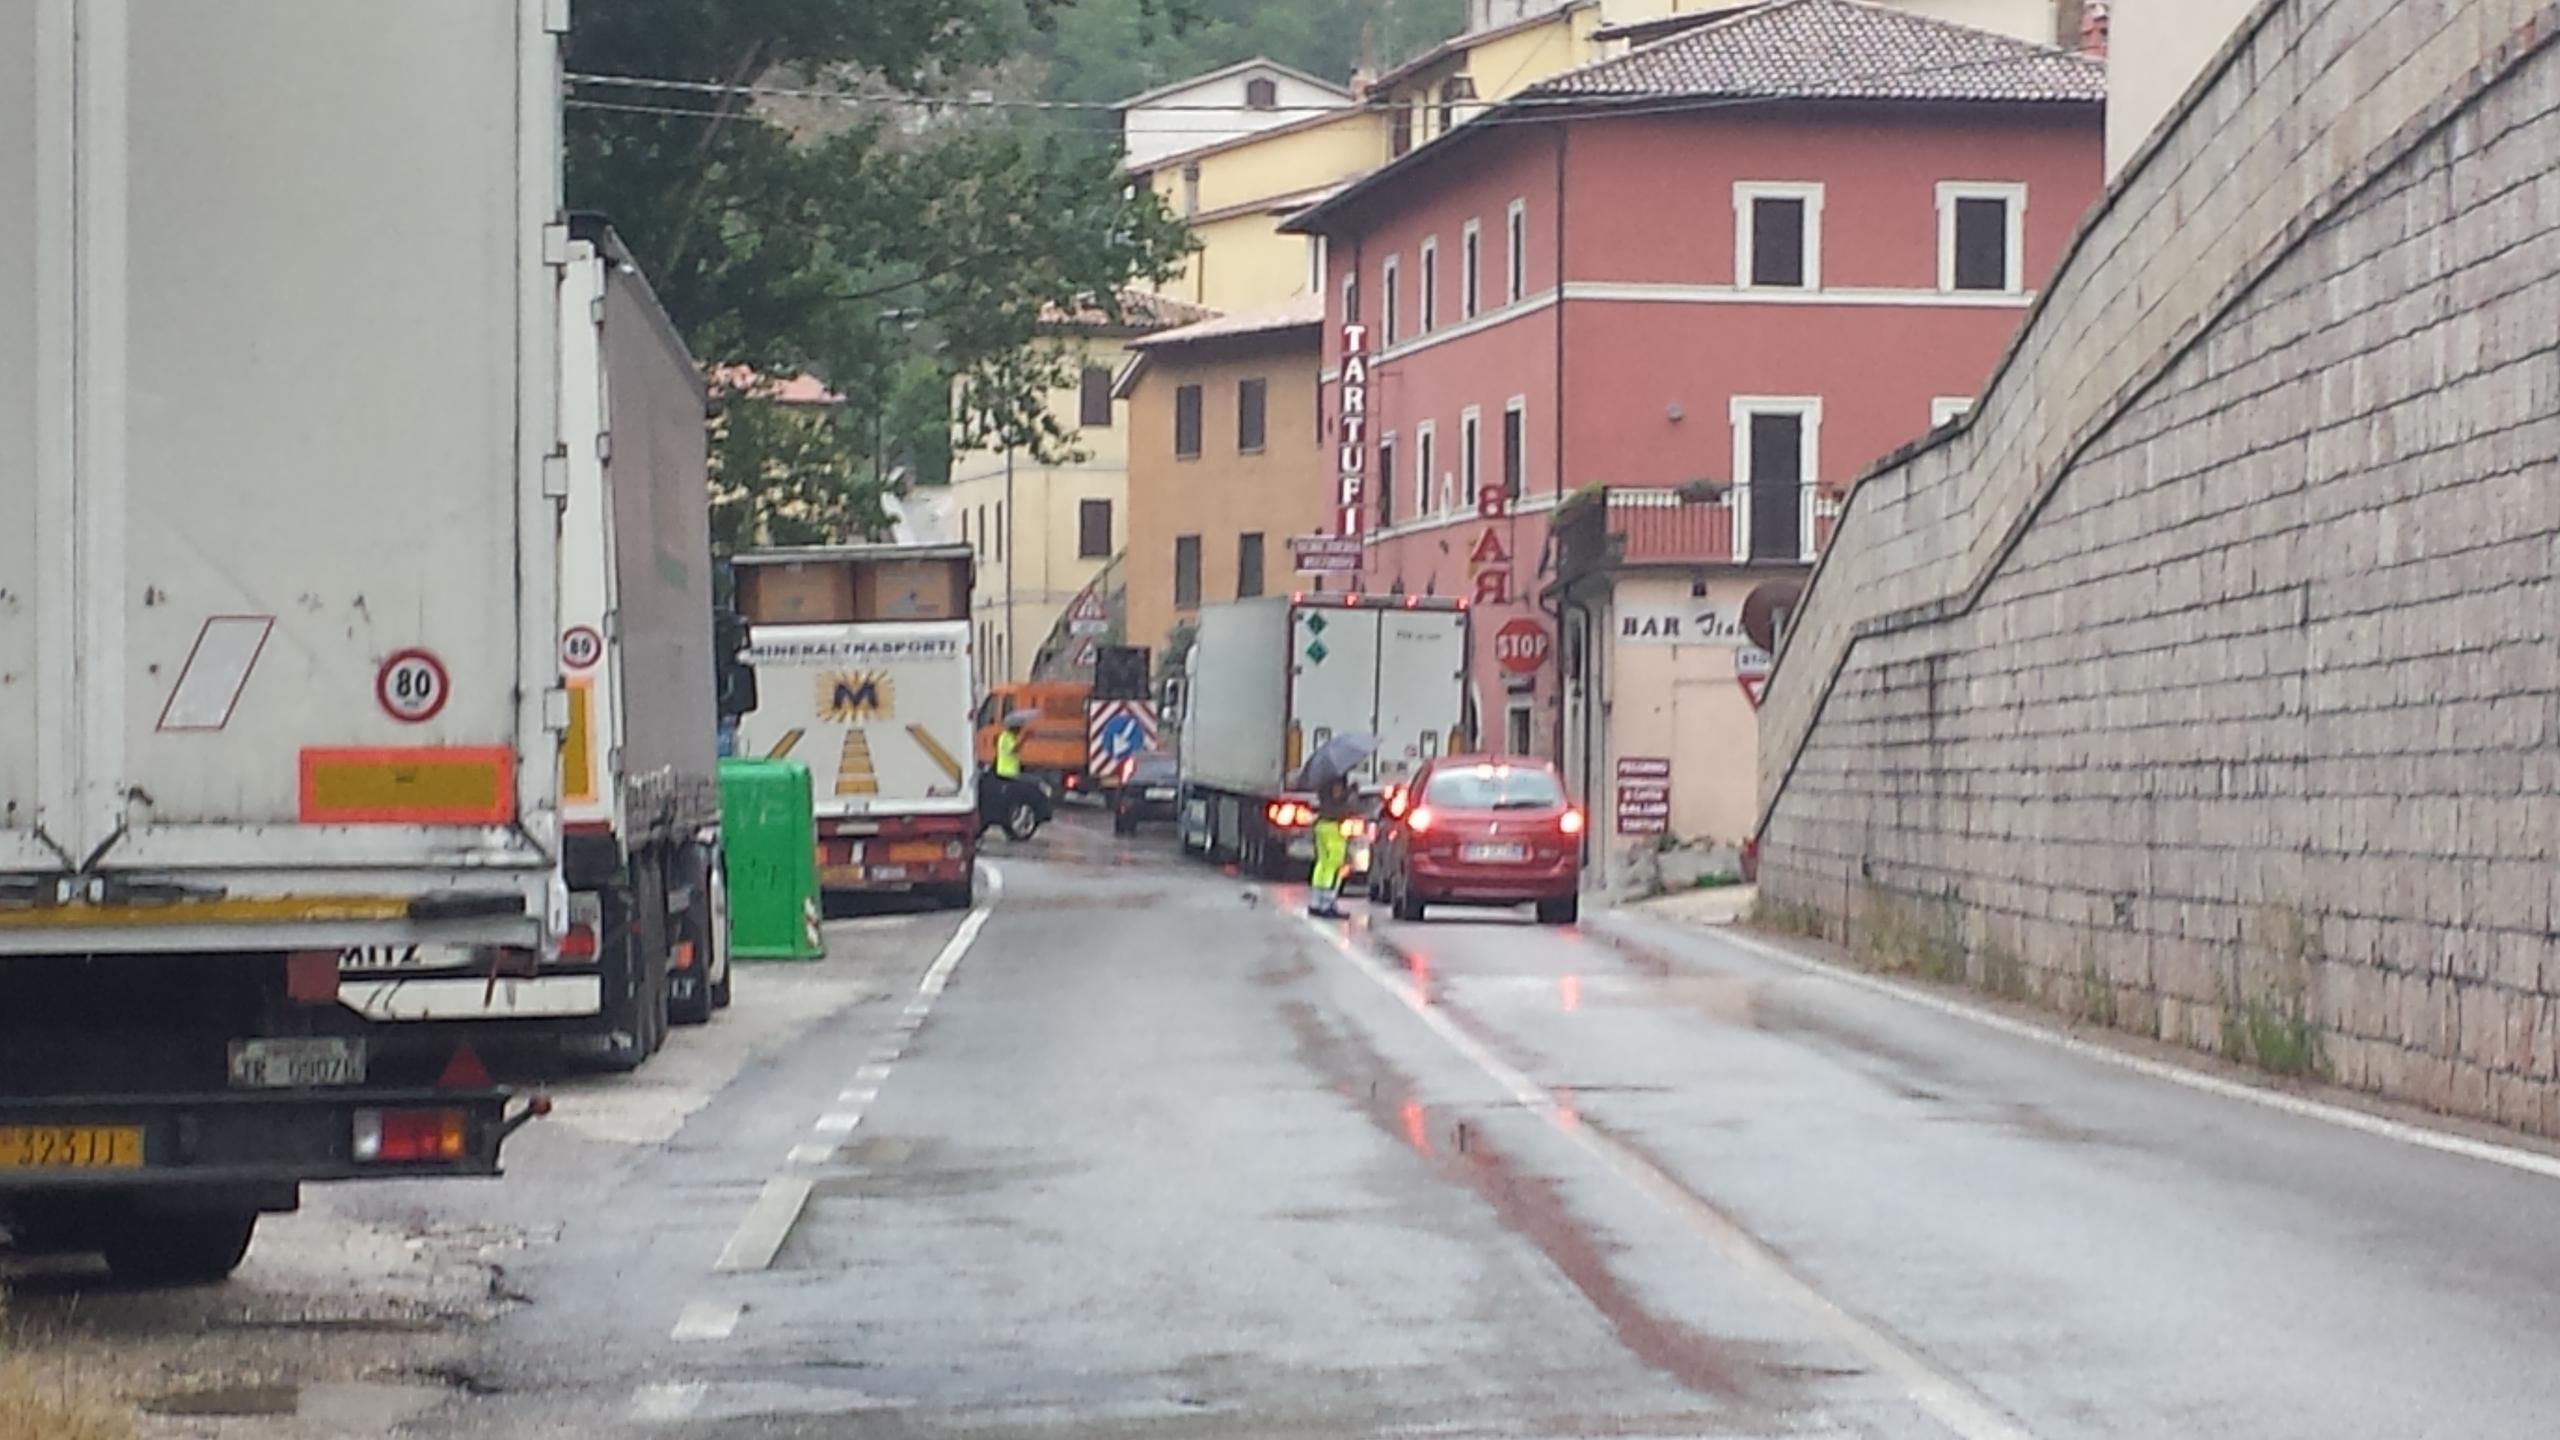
(412, 686)
(581, 647)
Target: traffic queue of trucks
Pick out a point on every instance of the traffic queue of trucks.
(359, 680)
(1268, 681)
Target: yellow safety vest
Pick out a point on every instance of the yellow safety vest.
(1008, 755)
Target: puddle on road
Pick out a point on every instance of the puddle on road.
(350, 1407)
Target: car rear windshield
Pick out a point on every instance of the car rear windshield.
(1155, 769)
(1493, 787)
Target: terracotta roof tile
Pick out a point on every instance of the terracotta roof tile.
(1838, 50)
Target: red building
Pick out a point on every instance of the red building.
(1744, 261)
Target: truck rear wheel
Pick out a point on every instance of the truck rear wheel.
(187, 1247)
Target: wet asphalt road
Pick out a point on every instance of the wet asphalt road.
(1142, 1153)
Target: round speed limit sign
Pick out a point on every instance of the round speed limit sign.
(412, 686)
(581, 647)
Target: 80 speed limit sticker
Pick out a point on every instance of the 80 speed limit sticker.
(581, 647)
(412, 686)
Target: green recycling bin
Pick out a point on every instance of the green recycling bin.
(769, 825)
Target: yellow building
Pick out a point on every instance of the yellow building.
(1042, 532)
(1224, 463)
(1235, 193)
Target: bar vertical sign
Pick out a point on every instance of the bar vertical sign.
(1352, 463)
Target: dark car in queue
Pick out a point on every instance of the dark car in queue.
(1149, 788)
(1481, 830)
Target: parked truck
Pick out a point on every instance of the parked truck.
(646, 943)
(862, 659)
(278, 628)
(1268, 681)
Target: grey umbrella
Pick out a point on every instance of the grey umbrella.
(1335, 759)
(1021, 717)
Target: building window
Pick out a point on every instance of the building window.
(1518, 726)
(1948, 408)
(1262, 94)
(1470, 449)
(1351, 299)
(1775, 447)
(1516, 257)
(1455, 89)
(1315, 265)
(1191, 189)
(1777, 236)
(1250, 400)
(1186, 572)
(1093, 530)
(1430, 286)
(1186, 422)
(1426, 464)
(1248, 565)
(1515, 446)
(1387, 297)
(1094, 400)
(1981, 237)
(1471, 271)
(1399, 130)
(1387, 480)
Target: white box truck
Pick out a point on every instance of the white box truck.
(278, 625)
(863, 674)
(1268, 681)
(647, 936)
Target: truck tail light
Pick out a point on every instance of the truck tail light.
(1570, 822)
(582, 939)
(1288, 814)
(393, 1137)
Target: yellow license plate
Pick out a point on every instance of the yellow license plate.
(70, 1147)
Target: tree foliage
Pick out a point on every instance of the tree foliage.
(1101, 51)
(894, 232)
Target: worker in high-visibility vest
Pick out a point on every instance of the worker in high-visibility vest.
(1001, 788)
(1009, 749)
(1334, 809)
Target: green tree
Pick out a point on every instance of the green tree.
(1100, 51)
(848, 253)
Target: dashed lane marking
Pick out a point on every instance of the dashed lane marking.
(707, 1320)
(839, 1123)
(667, 1404)
(1943, 1397)
(811, 1154)
(767, 1225)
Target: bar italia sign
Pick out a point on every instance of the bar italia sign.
(1352, 464)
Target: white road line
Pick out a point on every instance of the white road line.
(706, 1320)
(667, 1404)
(873, 1071)
(767, 1225)
(811, 1154)
(858, 1095)
(939, 974)
(1958, 1407)
(2531, 1162)
(886, 1056)
(838, 1123)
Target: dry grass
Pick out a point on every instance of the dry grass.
(43, 1397)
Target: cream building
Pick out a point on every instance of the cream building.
(2155, 50)
(1042, 532)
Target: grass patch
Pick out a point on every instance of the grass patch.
(1721, 880)
(2272, 1028)
(1912, 937)
(2276, 1040)
(2004, 974)
(2095, 1003)
(44, 1397)
(1785, 917)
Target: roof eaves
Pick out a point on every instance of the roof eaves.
(1256, 62)
(1460, 44)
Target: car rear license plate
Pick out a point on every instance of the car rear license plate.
(916, 852)
(1159, 792)
(1492, 854)
(70, 1147)
(299, 1063)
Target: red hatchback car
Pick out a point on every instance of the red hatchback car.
(1481, 830)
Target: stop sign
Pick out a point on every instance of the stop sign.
(1521, 645)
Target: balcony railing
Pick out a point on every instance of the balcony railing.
(1615, 526)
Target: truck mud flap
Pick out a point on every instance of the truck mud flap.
(154, 1141)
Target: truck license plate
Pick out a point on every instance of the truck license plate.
(1159, 792)
(70, 1147)
(296, 1064)
(1493, 854)
(888, 872)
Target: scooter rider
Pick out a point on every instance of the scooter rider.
(1002, 789)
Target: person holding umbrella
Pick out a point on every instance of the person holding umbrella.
(1328, 773)
(1007, 799)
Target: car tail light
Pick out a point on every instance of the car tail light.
(406, 1136)
(1570, 822)
(1421, 820)
(1354, 829)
